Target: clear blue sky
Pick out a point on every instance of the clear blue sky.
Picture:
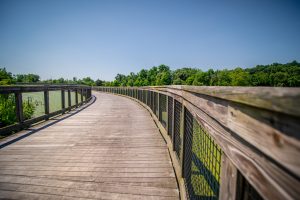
(105, 37)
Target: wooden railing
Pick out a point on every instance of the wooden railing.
(17, 91)
(228, 142)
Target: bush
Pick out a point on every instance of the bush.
(8, 110)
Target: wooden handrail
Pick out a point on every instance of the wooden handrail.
(19, 89)
(257, 130)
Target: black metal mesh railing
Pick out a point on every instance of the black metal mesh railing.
(155, 106)
(144, 96)
(149, 98)
(152, 101)
(170, 116)
(197, 152)
(163, 110)
(177, 128)
(202, 161)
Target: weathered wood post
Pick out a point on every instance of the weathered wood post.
(69, 99)
(76, 97)
(63, 105)
(173, 126)
(84, 93)
(183, 134)
(81, 97)
(158, 106)
(19, 107)
(229, 174)
(167, 111)
(46, 102)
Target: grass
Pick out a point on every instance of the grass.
(55, 104)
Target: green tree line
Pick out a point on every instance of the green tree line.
(276, 74)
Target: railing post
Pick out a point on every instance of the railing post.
(153, 102)
(173, 126)
(81, 97)
(76, 97)
(158, 108)
(167, 111)
(69, 99)
(46, 102)
(63, 104)
(183, 133)
(19, 107)
(229, 174)
(84, 93)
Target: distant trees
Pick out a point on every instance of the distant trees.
(276, 74)
(286, 75)
(27, 78)
(6, 78)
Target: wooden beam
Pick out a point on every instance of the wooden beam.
(19, 107)
(46, 102)
(228, 185)
(63, 107)
(69, 100)
(76, 98)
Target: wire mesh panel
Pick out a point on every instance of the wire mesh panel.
(141, 95)
(156, 103)
(148, 98)
(170, 116)
(152, 101)
(202, 161)
(163, 110)
(144, 96)
(177, 128)
(245, 190)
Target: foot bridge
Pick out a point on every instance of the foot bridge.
(173, 142)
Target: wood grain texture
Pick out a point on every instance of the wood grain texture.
(110, 150)
(229, 179)
(272, 131)
(285, 100)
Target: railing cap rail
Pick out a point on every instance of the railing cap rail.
(279, 99)
(32, 88)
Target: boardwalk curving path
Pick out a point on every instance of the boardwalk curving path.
(110, 150)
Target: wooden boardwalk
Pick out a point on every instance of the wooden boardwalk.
(110, 150)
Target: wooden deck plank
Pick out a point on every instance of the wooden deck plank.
(110, 150)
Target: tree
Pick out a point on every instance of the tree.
(27, 78)
(99, 82)
(239, 77)
(6, 78)
(163, 76)
(87, 81)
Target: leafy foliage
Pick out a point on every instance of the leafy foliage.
(6, 78)
(285, 75)
(8, 109)
(27, 78)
